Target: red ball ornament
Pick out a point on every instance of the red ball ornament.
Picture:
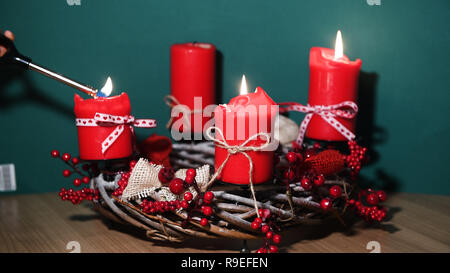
(319, 180)
(265, 228)
(85, 179)
(335, 191)
(77, 182)
(326, 204)
(132, 163)
(255, 225)
(75, 160)
(55, 153)
(176, 186)
(191, 172)
(204, 222)
(209, 196)
(189, 179)
(207, 211)
(269, 234)
(67, 173)
(188, 196)
(372, 199)
(381, 196)
(276, 239)
(184, 204)
(66, 157)
(291, 157)
(273, 249)
(306, 184)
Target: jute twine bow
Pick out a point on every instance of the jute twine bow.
(232, 150)
(327, 112)
(171, 101)
(107, 120)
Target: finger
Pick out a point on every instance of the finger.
(9, 34)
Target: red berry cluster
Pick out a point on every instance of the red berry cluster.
(76, 197)
(355, 158)
(153, 207)
(372, 211)
(123, 182)
(266, 224)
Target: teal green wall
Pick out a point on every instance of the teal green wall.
(404, 46)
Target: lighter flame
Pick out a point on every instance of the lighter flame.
(244, 88)
(108, 87)
(339, 47)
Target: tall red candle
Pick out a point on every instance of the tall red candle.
(241, 119)
(90, 138)
(332, 81)
(192, 74)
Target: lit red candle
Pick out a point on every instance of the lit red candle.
(90, 138)
(244, 117)
(333, 79)
(192, 74)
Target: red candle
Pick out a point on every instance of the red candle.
(91, 138)
(241, 119)
(192, 71)
(333, 79)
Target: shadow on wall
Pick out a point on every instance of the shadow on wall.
(29, 93)
(370, 134)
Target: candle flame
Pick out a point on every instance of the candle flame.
(339, 47)
(244, 88)
(107, 88)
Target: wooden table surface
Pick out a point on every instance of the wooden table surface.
(43, 223)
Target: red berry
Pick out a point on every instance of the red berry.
(291, 157)
(335, 191)
(55, 153)
(191, 172)
(66, 157)
(189, 179)
(319, 180)
(85, 179)
(289, 174)
(316, 145)
(273, 249)
(77, 182)
(381, 196)
(269, 234)
(258, 220)
(255, 225)
(75, 160)
(204, 222)
(372, 199)
(207, 211)
(209, 196)
(188, 196)
(165, 175)
(132, 163)
(67, 173)
(276, 239)
(326, 204)
(184, 204)
(306, 184)
(265, 228)
(265, 213)
(176, 186)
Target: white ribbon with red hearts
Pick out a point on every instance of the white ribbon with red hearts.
(326, 112)
(106, 120)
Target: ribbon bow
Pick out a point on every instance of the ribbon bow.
(106, 120)
(326, 112)
(243, 149)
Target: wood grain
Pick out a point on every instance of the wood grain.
(43, 223)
